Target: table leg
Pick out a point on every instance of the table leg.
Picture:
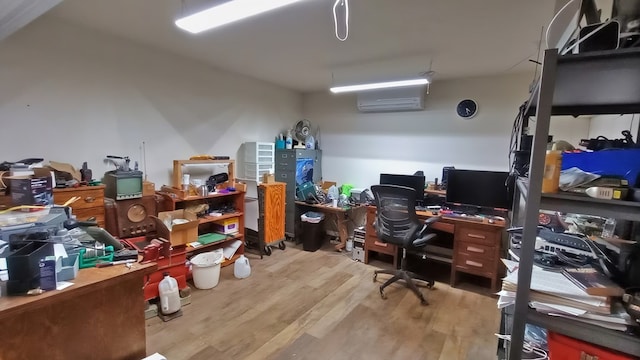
(343, 232)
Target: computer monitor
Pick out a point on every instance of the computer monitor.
(477, 188)
(413, 181)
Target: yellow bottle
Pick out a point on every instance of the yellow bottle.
(552, 167)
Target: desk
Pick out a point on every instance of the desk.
(101, 316)
(476, 246)
(343, 216)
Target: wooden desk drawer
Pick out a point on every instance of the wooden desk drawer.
(84, 214)
(443, 226)
(89, 197)
(475, 264)
(478, 250)
(372, 243)
(477, 236)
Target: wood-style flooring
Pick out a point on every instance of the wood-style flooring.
(323, 305)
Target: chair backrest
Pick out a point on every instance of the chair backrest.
(396, 219)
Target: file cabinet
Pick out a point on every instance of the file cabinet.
(288, 168)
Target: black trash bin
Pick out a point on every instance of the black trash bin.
(312, 231)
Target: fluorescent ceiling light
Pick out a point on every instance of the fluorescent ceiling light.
(227, 13)
(381, 85)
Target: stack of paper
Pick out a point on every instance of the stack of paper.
(553, 294)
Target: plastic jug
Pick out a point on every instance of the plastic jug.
(241, 268)
(552, 167)
(169, 295)
(288, 141)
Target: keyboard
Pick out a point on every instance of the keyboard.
(464, 217)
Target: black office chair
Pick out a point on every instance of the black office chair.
(397, 223)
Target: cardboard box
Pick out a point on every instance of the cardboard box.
(32, 190)
(226, 226)
(268, 178)
(180, 234)
(148, 188)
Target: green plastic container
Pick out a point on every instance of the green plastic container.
(91, 262)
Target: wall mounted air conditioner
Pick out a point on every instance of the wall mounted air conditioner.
(388, 100)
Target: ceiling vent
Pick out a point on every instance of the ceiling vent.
(390, 100)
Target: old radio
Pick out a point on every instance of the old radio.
(130, 218)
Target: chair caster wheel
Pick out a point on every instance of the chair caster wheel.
(267, 250)
(282, 245)
(430, 285)
(382, 295)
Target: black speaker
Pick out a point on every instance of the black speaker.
(445, 176)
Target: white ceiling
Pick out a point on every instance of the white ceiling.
(295, 46)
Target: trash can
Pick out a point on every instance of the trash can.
(206, 269)
(312, 230)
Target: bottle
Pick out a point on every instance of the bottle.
(310, 143)
(241, 268)
(609, 228)
(169, 295)
(551, 175)
(289, 141)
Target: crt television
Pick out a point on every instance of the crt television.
(122, 185)
(415, 182)
(486, 189)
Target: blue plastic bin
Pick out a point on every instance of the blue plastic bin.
(621, 162)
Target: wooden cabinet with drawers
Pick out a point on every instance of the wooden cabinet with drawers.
(89, 205)
(476, 250)
(372, 243)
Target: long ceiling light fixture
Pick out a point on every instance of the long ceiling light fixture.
(228, 12)
(380, 85)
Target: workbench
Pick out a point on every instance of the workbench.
(101, 316)
(343, 216)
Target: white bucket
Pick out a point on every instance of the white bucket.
(206, 269)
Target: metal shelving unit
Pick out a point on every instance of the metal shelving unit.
(593, 83)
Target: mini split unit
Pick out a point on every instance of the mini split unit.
(389, 100)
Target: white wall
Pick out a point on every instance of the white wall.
(569, 128)
(357, 147)
(611, 126)
(70, 94)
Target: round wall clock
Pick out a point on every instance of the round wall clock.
(467, 109)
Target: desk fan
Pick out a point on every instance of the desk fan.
(302, 132)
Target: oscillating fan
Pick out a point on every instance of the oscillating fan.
(302, 131)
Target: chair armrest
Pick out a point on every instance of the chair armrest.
(422, 241)
(423, 237)
(431, 220)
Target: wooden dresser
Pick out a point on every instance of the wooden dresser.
(90, 204)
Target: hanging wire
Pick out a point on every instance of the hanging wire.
(342, 7)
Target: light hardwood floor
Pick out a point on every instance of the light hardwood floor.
(323, 305)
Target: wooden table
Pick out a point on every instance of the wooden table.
(101, 316)
(343, 216)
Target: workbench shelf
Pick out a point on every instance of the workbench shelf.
(595, 83)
